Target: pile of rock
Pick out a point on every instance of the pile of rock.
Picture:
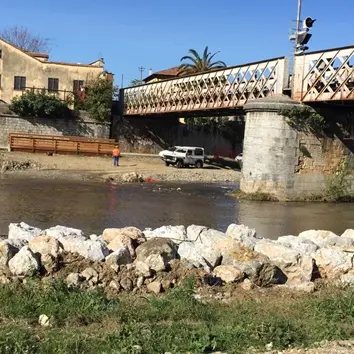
(154, 260)
(9, 165)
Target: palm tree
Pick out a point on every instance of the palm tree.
(199, 64)
(136, 82)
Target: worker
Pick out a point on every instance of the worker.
(115, 155)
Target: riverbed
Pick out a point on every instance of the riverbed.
(94, 206)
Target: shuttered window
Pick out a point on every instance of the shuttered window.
(53, 84)
(19, 82)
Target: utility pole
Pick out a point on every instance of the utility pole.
(141, 69)
(298, 20)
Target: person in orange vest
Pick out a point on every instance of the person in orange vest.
(116, 154)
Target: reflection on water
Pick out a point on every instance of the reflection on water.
(93, 207)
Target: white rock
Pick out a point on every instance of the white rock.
(247, 285)
(132, 177)
(43, 321)
(89, 273)
(93, 250)
(24, 263)
(322, 238)
(71, 239)
(349, 233)
(347, 279)
(228, 274)
(156, 262)
(130, 231)
(155, 287)
(301, 245)
(120, 241)
(45, 245)
(73, 279)
(23, 231)
(7, 251)
(63, 231)
(140, 282)
(17, 243)
(243, 234)
(175, 233)
(142, 269)
(333, 262)
(297, 267)
(200, 249)
(119, 257)
(93, 237)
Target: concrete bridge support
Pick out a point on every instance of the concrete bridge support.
(281, 161)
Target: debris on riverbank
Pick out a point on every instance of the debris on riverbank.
(9, 165)
(128, 259)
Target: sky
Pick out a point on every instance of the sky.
(157, 33)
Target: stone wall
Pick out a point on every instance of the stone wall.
(73, 126)
(281, 161)
(151, 135)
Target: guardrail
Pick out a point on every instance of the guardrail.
(61, 144)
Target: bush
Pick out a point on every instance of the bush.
(39, 105)
(98, 98)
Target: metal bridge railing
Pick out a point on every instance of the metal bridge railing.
(324, 75)
(229, 87)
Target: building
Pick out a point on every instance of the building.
(162, 75)
(21, 70)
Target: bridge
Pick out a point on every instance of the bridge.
(319, 76)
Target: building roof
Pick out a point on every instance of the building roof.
(35, 56)
(164, 74)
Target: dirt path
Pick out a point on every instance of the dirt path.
(101, 168)
(336, 347)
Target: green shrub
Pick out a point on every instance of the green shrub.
(39, 105)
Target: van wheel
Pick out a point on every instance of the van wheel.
(199, 164)
(179, 164)
(167, 164)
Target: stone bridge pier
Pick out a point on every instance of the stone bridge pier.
(280, 160)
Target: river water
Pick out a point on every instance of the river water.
(95, 206)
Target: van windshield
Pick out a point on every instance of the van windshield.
(181, 150)
(173, 148)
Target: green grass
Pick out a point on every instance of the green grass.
(255, 197)
(89, 322)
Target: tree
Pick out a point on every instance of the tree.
(98, 98)
(21, 37)
(136, 82)
(199, 64)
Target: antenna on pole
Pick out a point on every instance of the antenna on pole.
(141, 69)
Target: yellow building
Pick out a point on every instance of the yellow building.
(21, 70)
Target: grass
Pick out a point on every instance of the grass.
(89, 322)
(255, 197)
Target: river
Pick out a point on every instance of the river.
(95, 206)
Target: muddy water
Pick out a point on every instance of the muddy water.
(93, 207)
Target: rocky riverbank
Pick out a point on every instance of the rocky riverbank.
(100, 169)
(132, 260)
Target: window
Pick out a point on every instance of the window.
(77, 85)
(189, 152)
(19, 82)
(53, 84)
(199, 152)
(0, 53)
